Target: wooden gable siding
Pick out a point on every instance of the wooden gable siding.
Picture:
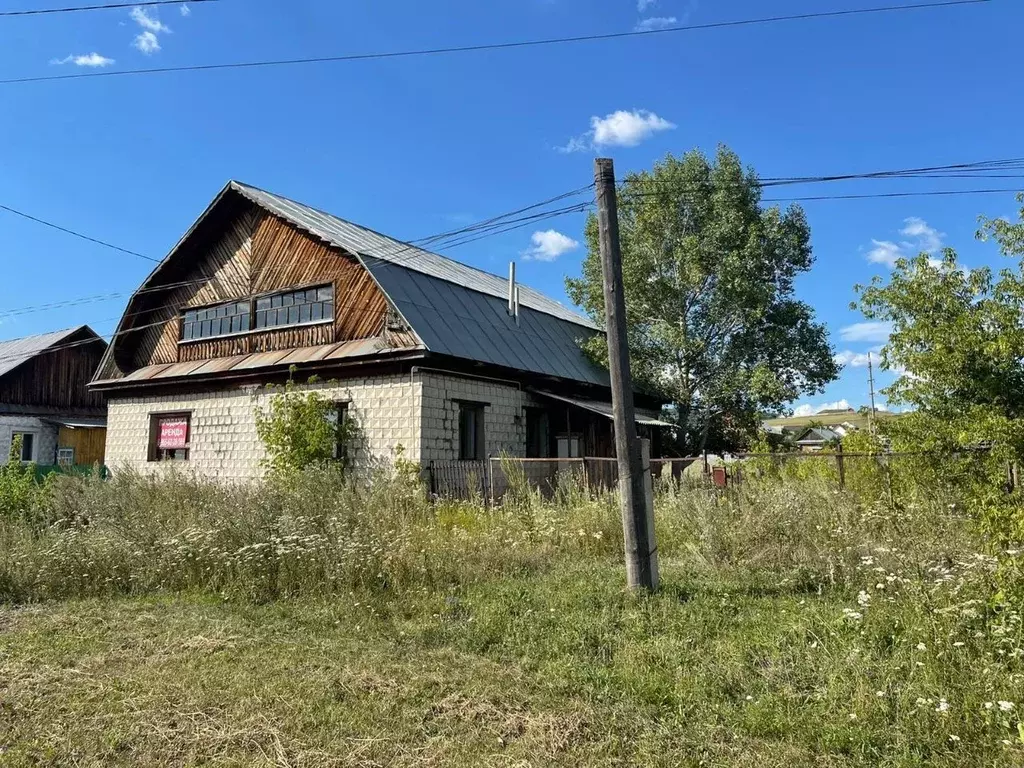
(259, 253)
(56, 379)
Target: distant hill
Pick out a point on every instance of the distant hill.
(859, 420)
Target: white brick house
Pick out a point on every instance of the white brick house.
(422, 352)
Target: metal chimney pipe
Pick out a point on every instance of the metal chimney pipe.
(512, 288)
(517, 305)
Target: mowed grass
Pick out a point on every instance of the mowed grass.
(796, 626)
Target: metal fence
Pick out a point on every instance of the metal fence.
(492, 479)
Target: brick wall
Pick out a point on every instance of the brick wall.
(224, 444)
(45, 437)
(420, 413)
(504, 418)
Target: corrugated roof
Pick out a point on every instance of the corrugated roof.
(365, 242)
(16, 351)
(454, 320)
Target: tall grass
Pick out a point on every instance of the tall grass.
(793, 614)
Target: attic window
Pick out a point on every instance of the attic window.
(219, 320)
(312, 305)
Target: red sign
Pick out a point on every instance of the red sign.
(173, 434)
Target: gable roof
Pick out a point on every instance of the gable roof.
(15, 352)
(360, 240)
(819, 435)
(452, 308)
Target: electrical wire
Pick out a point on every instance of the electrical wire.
(73, 233)
(497, 46)
(474, 229)
(103, 7)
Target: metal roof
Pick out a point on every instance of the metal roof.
(452, 308)
(365, 242)
(605, 409)
(454, 320)
(17, 351)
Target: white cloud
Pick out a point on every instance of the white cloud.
(870, 331)
(850, 359)
(549, 245)
(147, 42)
(85, 60)
(923, 239)
(619, 129)
(577, 144)
(643, 5)
(627, 129)
(928, 239)
(814, 410)
(885, 252)
(147, 22)
(655, 22)
(185, 10)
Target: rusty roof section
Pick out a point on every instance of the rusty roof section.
(260, 361)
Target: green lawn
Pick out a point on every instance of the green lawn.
(562, 669)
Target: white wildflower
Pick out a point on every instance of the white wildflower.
(863, 599)
(1005, 706)
(922, 647)
(954, 738)
(943, 706)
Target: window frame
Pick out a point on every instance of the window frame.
(252, 302)
(154, 453)
(538, 433)
(479, 429)
(569, 438)
(66, 451)
(32, 444)
(290, 293)
(341, 417)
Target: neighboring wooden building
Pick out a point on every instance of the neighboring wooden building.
(423, 352)
(44, 399)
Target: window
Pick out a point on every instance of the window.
(471, 431)
(211, 322)
(569, 446)
(538, 434)
(339, 417)
(312, 305)
(66, 457)
(170, 436)
(28, 445)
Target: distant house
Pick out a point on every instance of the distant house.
(429, 356)
(815, 439)
(44, 399)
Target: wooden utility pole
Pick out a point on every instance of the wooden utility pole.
(637, 516)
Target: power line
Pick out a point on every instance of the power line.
(498, 46)
(73, 233)
(934, 193)
(103, 7)
(479, 230)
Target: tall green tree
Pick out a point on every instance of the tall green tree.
(713, 322)
(957, 333)
(958, 340)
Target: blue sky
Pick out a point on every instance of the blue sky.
(414, 147)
